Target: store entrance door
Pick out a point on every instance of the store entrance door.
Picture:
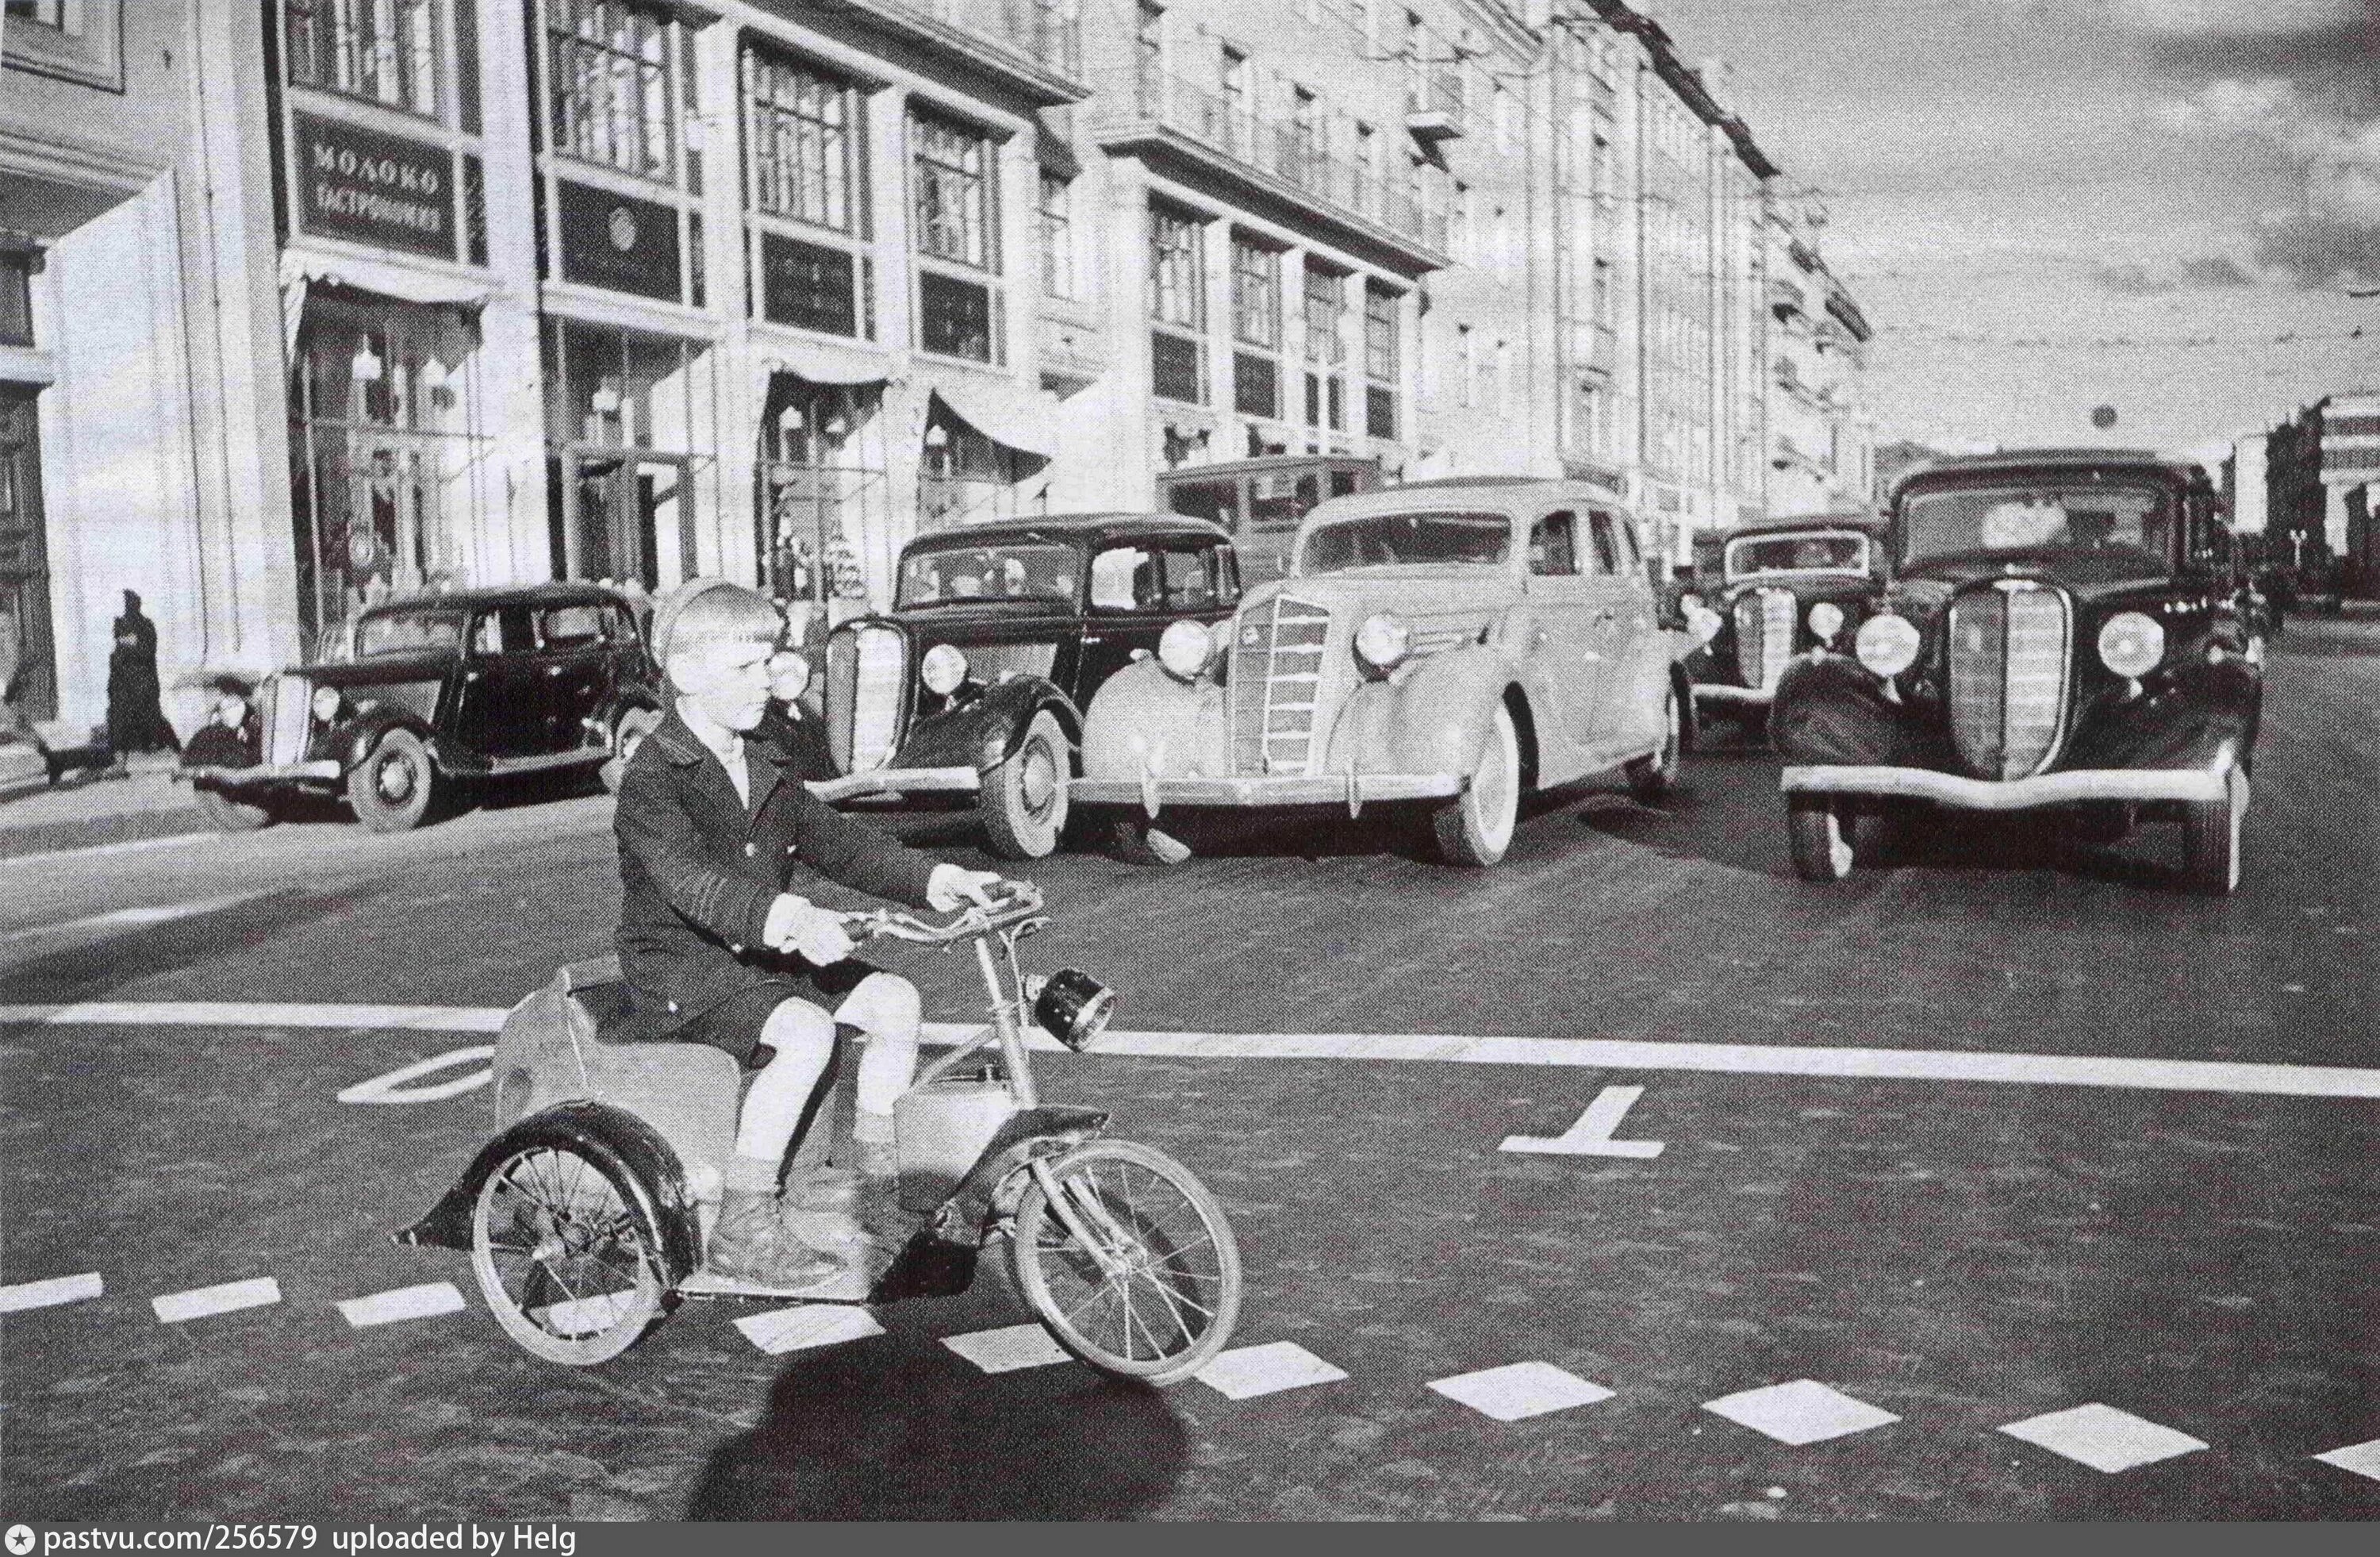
(26, 658)
(628, 516)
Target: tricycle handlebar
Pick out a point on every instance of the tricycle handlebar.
(1019, 901)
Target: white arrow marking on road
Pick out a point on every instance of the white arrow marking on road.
(49, 1294)
(1591, 1136)
(198, 1303)
(392, 1087)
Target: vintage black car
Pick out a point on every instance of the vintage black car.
(439, 692)
(2064, 628)
(998, 635)
(1782, 587)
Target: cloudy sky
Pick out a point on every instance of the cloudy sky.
(2051, 205)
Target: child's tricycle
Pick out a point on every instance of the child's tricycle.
(586, 1217)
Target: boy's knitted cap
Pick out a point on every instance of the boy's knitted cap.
(738, 612)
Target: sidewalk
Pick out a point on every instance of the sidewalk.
(84, 810)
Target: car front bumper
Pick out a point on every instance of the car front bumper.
(322, 770)
(1740, 697)
(897, 781)
(1351, 790)
(2010, 794)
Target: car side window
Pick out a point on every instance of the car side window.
(1118, 577)
(506, 630)
(571, 626)
(1601, 526)
(1553, 546)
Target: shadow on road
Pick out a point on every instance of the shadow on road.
(897, 1428)
(97, 968)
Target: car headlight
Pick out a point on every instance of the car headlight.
(2132, 644)
(789, 675)
(942, 670)
(325, 703)
(1826, 620)
(1886, 645)
(1383, 643)
(1185, 650)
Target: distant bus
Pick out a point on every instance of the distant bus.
(1261, 501)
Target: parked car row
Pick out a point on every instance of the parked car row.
(2063, 630)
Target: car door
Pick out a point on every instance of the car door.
(1628, 617)
(575, 659)
(1125, 611)
(1565, 644)
(504, 709)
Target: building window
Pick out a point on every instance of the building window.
(1256, 328)
(386, 50)
(955, 317)
(951, 175)
(1325, 305)
(805, 154)
(1057, 227)
(1177, 305)
(814, 286)
(15, 299)
(1381, 361)
(613, 99)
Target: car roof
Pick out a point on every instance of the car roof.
(1076, 527)
(2145, 461)
(1496, 491)
(561, 592)
(1869, 524)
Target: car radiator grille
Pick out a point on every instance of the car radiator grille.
(867, 668)
(1763, 635)
(1277, 686)
(2010, 646)
(289, 721)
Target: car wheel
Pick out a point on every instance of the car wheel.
(1475, 827)
(1023, 800)
(395, 785)
(1135, 840)
(228, 815)
(1824, 834)
(1652, 778)
(628, 732)
(2210, 840)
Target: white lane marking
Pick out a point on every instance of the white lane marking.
(1245, 1372)
(809, 1325)
(2104, 1438)
(49, 1294)
(1591, 1136)
(426, 1301)
(392, 1087)
(2363, 1459)
(116, 917)
(1008, 1348)
(200, 1303)
(1574, 1054)
(1521, 1390)
(1801, 1412)
(133, 845)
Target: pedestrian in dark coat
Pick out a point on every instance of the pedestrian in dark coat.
(136, 714)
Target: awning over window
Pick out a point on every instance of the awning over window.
(300, 270)
(1007, 414)
(825, 364)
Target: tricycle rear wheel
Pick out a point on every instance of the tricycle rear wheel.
(1163, 1300)
(566, 1262)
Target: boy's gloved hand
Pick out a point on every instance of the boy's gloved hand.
(951, 887)
(795, 924)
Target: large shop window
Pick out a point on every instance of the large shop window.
(965, 475)
(623, 420)
(956, 318)
(820, 489)
(388, 52)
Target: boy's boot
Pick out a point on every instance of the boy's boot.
(877, 1206)
(751, 1243)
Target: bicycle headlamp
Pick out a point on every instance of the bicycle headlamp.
(1071, 1006)
(942, 670)
(1185, 650)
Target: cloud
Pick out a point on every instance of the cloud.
(2332, 233)
(2198, 19)
(2197, 272)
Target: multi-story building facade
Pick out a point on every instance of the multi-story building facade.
(448, 292)
(1821, 446)
(2322, 472)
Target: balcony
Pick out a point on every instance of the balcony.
(1161, 115)
(1434, 103)
(1036, 46)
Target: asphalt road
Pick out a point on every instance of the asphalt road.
(1958, 1254)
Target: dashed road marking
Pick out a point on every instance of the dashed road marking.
(1800, 1413)
(1245, 1372)
(51, 1293)
(198, 1303)
(2104, 1438)
(1591, 1136)
(1008, 1348)
(1521, 1390)
(255, 1014)
(806, 1325)
(2363, 1459)
(426, 1301)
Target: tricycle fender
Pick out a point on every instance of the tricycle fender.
(1144, 720)
(1432, 716)
(647, 1170)
(991, 1187)
(986, 726)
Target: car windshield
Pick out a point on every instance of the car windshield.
(2127, 530)
(1022, 570)
(1407, 541)
(406, 632)
(1833, 553)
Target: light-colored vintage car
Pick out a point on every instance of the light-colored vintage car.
(1452, 643)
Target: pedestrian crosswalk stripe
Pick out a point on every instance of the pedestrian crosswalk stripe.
(51, 1293)
(2363, 1459)
(422, 1302)
(1800, 1413)
(1521, 1390)
(807, 1325)
(1245, 1372)
(2104, 1438)
(1008, 1348)
(257, 1014)
(198, 1303)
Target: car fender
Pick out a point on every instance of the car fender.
(1145, 720)
(354, 741)
(2187, 715)
(647, 1170)
(986, 729)
(1433, 716)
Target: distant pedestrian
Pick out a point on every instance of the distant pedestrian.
(12, 666)
(136, 714)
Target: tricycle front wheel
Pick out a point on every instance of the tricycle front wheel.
(1138, 1273)
(567, 1264)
